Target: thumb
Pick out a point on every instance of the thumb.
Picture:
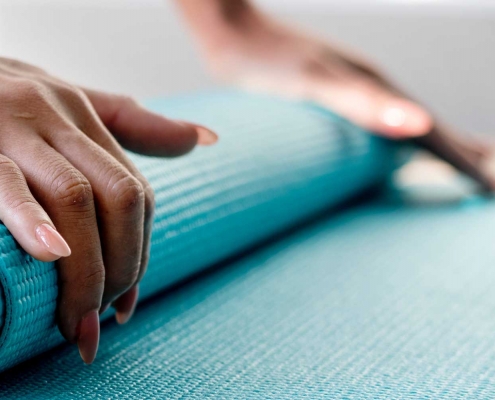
(146, 132)
(375, 109)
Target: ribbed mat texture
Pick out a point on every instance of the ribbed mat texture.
(385, 301)
(276, 164)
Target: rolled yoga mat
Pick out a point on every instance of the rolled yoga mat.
(277, 163)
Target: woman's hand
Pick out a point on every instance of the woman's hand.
(69, 193)
(245, 47)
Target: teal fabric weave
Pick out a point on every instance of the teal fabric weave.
(277, 163)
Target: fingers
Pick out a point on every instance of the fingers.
(372, 107)
(67, 196)
(96, 131)
(145, 132)
(25, 218)
(398, 118)
(377, 104)
(126, 304)
(119, 199)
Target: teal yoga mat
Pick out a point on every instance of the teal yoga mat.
(277, 164)
(380, 301)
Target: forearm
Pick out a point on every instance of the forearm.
(204, 14)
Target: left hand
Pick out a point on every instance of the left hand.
(69, 193)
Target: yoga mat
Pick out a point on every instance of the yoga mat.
(277, 164)
(380, 301)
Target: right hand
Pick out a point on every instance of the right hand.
(68, 192)
(250, 49)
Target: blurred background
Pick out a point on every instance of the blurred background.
(442, 51)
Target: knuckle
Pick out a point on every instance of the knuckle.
(121, 281)
(127, 101)
(19, 200)
(126, 194)
(72, 95)
(94, 276)
(70, 188)
(85, 285)
(22, 204)
(9, 168)
(123, 103)
(29, 90)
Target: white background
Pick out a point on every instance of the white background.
(443, 51)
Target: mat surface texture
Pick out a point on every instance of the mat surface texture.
(383, 301)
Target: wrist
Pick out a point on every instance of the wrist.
(223, 25)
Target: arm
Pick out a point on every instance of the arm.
(246, 47)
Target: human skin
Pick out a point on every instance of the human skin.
(69, 193)
(244, 46)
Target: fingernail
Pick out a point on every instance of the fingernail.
(206, 137)
(394, 117)
(88, 336)
(52, 240)
(406, 118)
(126, 304)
